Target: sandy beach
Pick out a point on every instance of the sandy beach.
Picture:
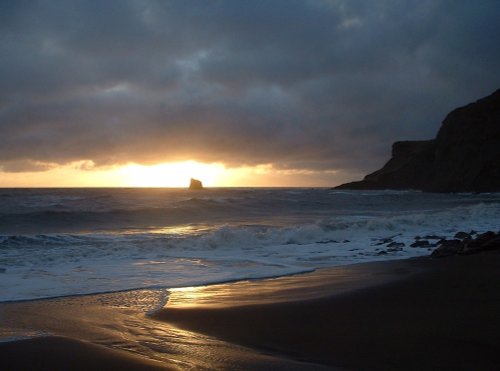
(445, 316)
(416, 314)
(58, 353)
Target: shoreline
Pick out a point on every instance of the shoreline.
(444, 317)
(217, 283)
(416, 312)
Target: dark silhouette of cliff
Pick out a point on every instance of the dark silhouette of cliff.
(464, 156)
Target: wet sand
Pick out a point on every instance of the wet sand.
(417, 314)
(445, 317)
(58, 353)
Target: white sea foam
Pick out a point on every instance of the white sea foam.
(262, 234)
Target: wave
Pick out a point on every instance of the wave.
(62, 220)
(203, 238)
(76, 247)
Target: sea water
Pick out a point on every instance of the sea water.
(59, 242)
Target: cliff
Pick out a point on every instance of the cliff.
(464, 156)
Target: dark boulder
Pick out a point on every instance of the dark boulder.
(462, 235)
(447, 248)
(471, 246)
(464, 156)
(483, 242)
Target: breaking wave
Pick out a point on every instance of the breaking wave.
(88, 243)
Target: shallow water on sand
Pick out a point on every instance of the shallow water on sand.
(121, 321)
(137, 321)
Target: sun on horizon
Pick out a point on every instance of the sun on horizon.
(166, 174)
(175, 174)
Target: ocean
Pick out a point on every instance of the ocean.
(63, 242)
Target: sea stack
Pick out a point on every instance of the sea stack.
(464, 156)
(195, 185)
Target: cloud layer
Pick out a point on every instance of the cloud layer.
(310, 84)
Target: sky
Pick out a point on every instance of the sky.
(233, 92)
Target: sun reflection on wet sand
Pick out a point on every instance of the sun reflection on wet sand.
(138, 322)
(323, 282)
(120, 321)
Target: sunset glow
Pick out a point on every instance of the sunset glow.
(175, 174)
(167, 174)
(151, 93)
(79, 174)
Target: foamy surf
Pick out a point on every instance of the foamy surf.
(232, 234)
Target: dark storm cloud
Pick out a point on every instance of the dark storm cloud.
(313, 84)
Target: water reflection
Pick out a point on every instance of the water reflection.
(125, 320)
(322, 283)
(121, 321)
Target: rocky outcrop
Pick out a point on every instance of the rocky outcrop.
(195, 184)
(464, 156)
(467, 244)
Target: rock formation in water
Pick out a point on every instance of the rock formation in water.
(195, 184)
(464, 243)
(464, 156)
